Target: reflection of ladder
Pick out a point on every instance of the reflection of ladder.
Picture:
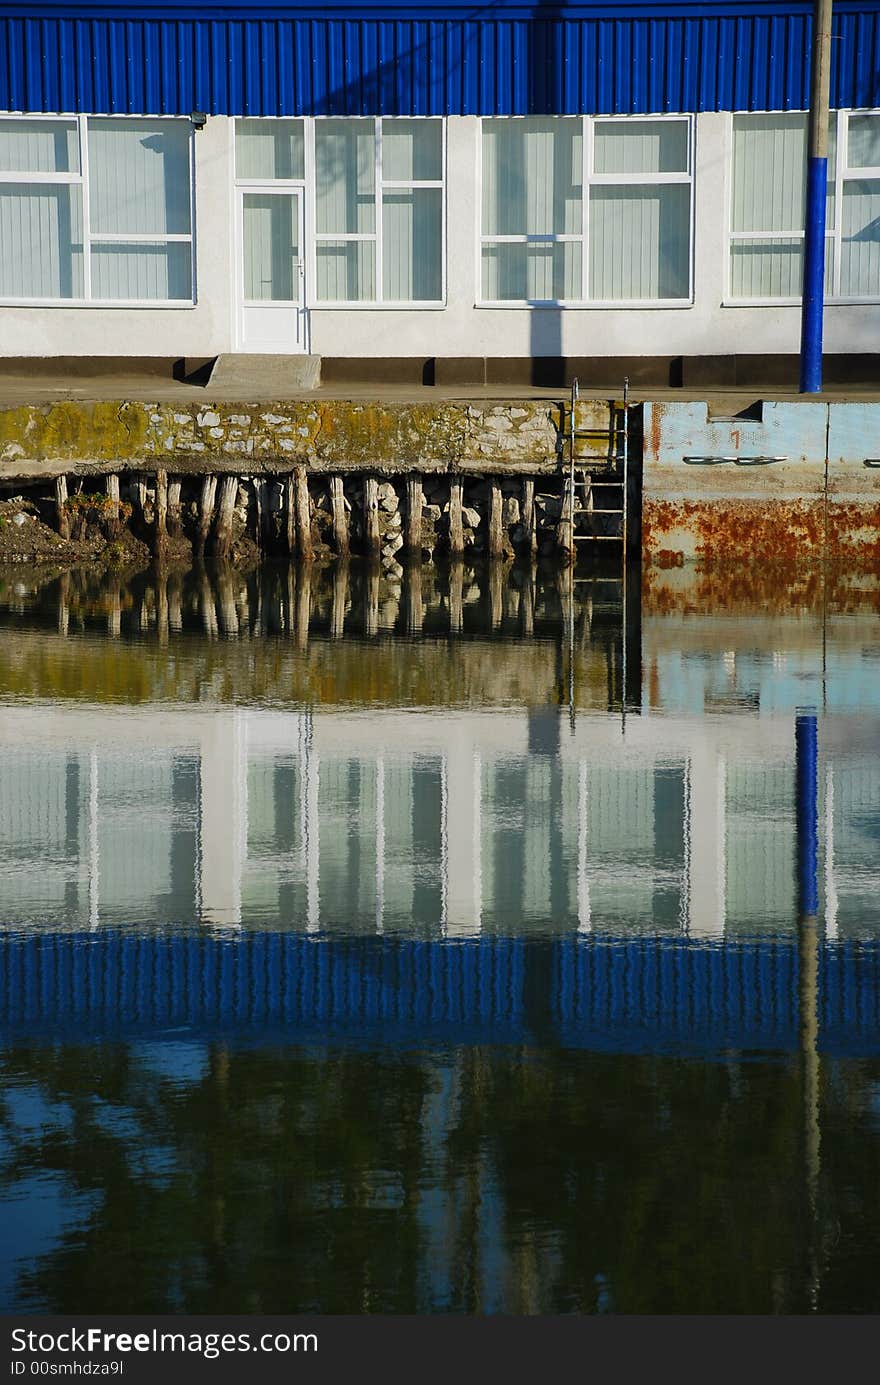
(598, 475)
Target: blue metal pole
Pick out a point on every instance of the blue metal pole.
(813, 292)
(806, 736)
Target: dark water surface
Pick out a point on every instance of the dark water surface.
(438, 947)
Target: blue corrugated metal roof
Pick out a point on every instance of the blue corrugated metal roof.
(504, 59)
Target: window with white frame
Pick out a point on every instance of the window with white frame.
(379, 210)
(768, 205)
(95, 210)
(582, 210)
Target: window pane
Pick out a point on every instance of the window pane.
(640, 146)
(639, 242)
(773, 268)
(412, 150)
(539, 273)
(769, 171)
(412, 245)
(860, 247)
(41, 236)
(345, 155)
(269, 149)
(139, 176)
(39, 146)
(863, 141)
(142, 272)
(271, 247)
(532, 177)
(346, 271)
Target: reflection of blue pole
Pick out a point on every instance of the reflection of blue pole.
(806, 738)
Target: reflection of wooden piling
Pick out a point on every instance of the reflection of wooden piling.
(303, 605)
(530, 536)
(415, 607)
(62, 518)
(206, 513)
(175, 514)
(226, 601)
(496, 593)
(371, 601)
(175, 605)
(113, 512)
(496, 527)
(303, 515)
(162, 607)
(209, 610)
(225, 516)
(340, 516)
(414, 501)
(340, 597)
(114, 611)
(456, 526)
(290, 604)
(372, 540)
(161, 513)
(64, 603)
(456, 593)
(528, 604)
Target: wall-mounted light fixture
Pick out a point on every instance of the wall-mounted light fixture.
(199, 120)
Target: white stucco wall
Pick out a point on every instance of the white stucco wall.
(706, 327)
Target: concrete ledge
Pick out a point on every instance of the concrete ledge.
(281, 375)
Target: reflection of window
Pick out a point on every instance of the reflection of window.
(379, 210)
(577, 210)
(768, 202)
(95, 210)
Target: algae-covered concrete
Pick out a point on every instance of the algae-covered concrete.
(328, 435)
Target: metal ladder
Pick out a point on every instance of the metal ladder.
(611, 490)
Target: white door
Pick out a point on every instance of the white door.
(271, 271)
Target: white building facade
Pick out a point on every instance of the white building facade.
(650, 233)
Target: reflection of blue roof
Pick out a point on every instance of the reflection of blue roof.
(645, 995)
(417, 58)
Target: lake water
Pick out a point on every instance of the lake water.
(481, 944)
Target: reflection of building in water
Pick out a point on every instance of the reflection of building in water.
(456, 822)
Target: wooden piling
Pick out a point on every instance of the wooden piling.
(530, 535)
(496, 526)
(290, 514)
(372, 541)
(303, 518)
(456, 593)
(175, 514)
(223, 522)
(456, 527)
(161, 544)
(113, 513)
(565, 527)
(206, 513)
(414, 502)
(340, 516)
(62, 518)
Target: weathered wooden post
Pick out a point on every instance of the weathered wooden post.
(340, 516)
(530, 537)
(62, 518)
(206, 513)
(496, 527)
(414, 501)
(113, 507)
(303, 518)
(372, 541)
(175, 516)
(225, 515)
(456, 527)
(290, 514)
(161, 545)
(565, 528)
